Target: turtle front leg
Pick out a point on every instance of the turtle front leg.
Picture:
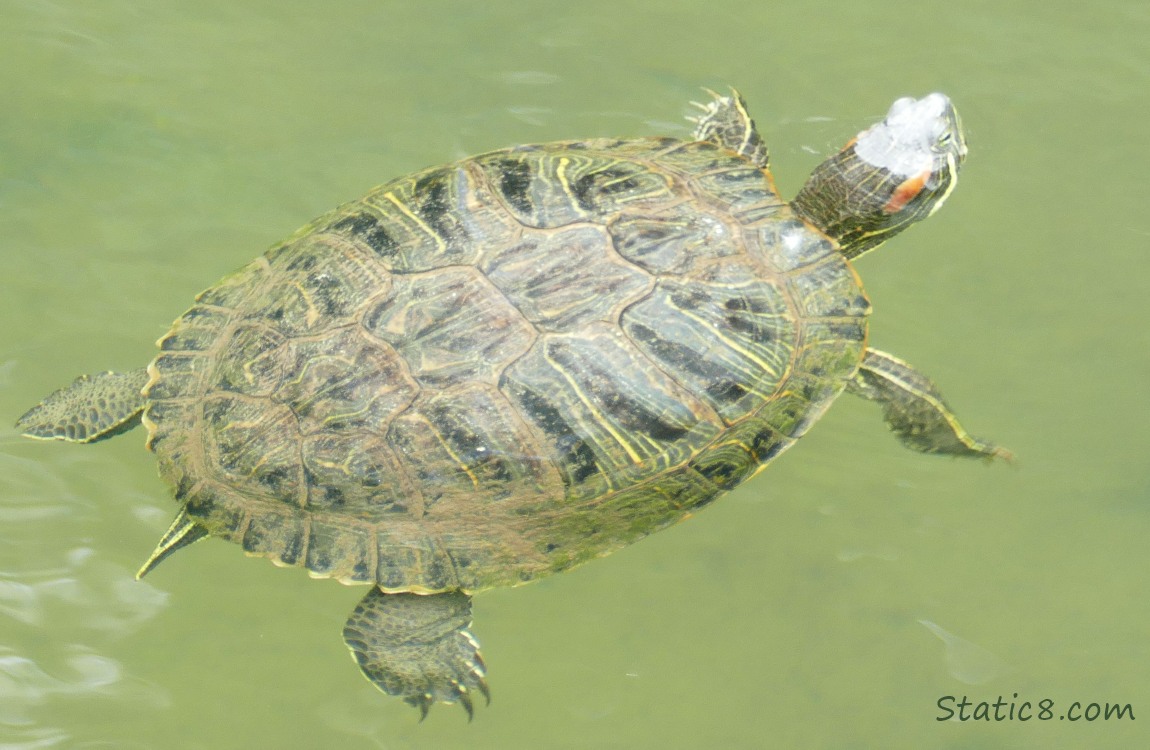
(418, 647)
(726, 123)
(914, 409)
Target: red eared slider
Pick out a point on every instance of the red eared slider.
(494, 370)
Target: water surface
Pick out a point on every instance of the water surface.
(147, 149)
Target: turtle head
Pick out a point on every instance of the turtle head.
(888, 177)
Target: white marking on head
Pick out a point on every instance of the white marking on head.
(917, 135)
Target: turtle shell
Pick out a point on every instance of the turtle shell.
(499, 368)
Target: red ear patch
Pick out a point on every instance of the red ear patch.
(905, 192)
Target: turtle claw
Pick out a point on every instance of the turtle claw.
(709, 106)
(457, 693)
(418, 647)
(422, 702)
(726, 123)
(465, 701)
(481, 683)
(470, 677)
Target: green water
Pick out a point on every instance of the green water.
(147, 148)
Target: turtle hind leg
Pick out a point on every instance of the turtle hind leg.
(914, 409)
(418, 647)
(726, 122)
(93, 407)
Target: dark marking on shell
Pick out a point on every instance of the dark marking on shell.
(368, 229)
(587, 188)
(576, 456)
(723, 474)
(720, 386)
(433, 194)
(628, 411)
(515, 184)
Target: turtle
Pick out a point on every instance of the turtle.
(490, 371)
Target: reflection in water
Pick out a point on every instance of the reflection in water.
(26, 685)
(886, 554)
(100, 596)
(965, 661)
(362, 718)
(58, 613)
(30, 493)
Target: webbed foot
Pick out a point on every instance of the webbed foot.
(726, 123)
(418, 647)
(914, 409)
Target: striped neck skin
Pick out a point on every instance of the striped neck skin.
(890, 176)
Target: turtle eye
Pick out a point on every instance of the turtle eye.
(944, 142)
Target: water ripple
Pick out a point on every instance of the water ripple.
(99, 595)
(60, 610)
(26, 685)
